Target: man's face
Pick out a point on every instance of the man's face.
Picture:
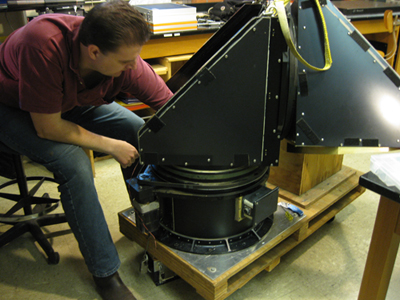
(114, 63)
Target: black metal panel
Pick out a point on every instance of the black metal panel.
(281, 93)
(222, 36)
(218, 117)
(358, 99)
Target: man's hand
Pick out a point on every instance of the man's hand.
(124, 153)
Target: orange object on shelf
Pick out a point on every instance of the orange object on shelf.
(133, 106)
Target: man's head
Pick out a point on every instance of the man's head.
(113, 24)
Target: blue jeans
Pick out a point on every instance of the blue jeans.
(72, 171)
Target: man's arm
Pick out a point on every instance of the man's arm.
(146, 85)
(53, 127)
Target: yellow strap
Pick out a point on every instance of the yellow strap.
(280, 8)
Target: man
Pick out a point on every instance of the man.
(57, 75)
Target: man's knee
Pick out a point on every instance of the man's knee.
(71, 162)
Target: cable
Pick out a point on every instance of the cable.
(392, 53)
(147, 230)
(280, 8)
(136, 214)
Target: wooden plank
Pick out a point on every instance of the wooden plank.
(273, 264)
(301, 234)
(307, 199)
(331, 211)
(335, 194)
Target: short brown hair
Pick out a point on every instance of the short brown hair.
(113, 24)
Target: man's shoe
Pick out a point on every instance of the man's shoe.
(112, 288)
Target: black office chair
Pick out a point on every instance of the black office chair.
(36, 210)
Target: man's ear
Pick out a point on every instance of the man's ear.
(93, 51)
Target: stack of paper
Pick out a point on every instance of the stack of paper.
(169, 17)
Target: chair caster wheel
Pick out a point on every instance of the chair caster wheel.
(54, 258)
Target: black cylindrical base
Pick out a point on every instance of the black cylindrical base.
(199, 208)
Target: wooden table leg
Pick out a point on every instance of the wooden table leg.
(89, 153)
(382, 252)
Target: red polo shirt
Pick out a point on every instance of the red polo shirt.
(39, 71)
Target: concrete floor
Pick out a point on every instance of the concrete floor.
(327, 265)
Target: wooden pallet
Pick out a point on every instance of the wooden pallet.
(343, 189)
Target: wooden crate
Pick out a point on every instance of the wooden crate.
(298, 172)
(345, 189)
